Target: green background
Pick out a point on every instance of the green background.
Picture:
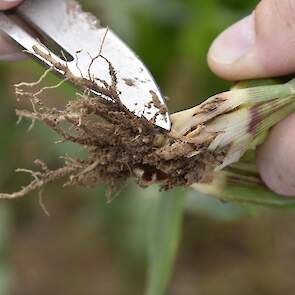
(90, 247)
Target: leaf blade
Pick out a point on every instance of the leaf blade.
(163, 239)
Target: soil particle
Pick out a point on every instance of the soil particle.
(158, 104)
(129, 82)
(75, 11)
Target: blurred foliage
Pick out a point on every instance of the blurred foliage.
(90, 247)
(163, 239)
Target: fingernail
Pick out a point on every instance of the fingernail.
(8, 4)
(235, 42)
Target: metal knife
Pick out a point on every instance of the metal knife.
(78, 34)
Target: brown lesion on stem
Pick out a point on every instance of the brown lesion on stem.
(210, 106)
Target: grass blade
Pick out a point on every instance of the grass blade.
(163, 239)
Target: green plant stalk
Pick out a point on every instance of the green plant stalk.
(238, 120)
(242, 184)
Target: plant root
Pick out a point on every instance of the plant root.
(119, 144)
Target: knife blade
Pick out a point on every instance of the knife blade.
(81, 37)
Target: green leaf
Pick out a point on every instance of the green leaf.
(163, 239)
(256, 195)
(242, 185)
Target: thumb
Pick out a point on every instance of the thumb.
(260, 45)
(7, 4)
(275, 158)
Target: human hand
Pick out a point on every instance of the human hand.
(8, 50)
(263, 45)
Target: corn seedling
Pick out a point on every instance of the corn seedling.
(204, 148)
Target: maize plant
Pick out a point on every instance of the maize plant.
(210, 147)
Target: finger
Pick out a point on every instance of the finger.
(260, 45)
(276, 158)
(7, 4)
(8, 50)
